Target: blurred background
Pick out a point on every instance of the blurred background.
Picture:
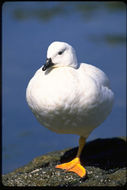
(97, 31)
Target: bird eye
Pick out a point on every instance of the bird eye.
(60, 52)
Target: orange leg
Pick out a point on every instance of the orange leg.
(75, 165)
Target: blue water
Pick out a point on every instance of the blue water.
(97, 31)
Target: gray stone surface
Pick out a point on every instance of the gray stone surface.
(104, 160)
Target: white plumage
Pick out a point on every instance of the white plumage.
(67, 98)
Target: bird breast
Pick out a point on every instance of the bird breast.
(61, 89)
(65, 98)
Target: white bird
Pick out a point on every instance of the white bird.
(69, 98)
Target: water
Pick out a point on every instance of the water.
(97, 31)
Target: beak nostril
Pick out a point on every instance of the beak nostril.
(48, 60)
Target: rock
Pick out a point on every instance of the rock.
(104, 159)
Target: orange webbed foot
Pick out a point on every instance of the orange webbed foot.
(73, 166)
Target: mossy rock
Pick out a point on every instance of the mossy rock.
(104, 160)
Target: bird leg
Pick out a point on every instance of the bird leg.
(75, 165)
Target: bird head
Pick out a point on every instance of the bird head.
(60, 54)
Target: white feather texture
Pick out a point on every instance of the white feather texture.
(69, 99)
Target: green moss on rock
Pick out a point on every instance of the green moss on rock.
(104, 160)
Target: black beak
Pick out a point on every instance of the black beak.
(48, 64)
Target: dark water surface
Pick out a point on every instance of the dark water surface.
(97, 31)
